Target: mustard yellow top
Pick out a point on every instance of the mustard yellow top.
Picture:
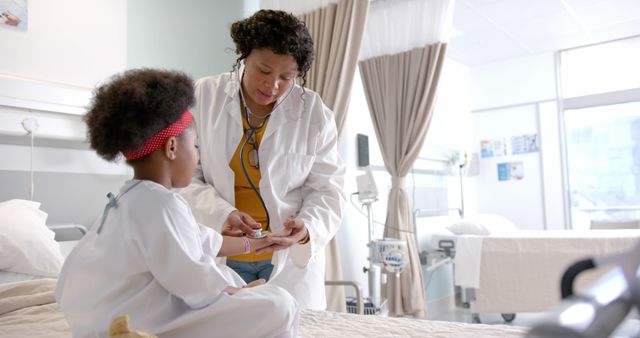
(246, 199)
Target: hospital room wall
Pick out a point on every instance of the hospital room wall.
(509, 99)
(70, 46)
(191, 36)
(450, 129)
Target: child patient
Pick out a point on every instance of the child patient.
(146, 257)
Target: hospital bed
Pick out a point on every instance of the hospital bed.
(28, 307)
(505, 270)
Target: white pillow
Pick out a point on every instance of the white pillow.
(27, 245)
(482, 225)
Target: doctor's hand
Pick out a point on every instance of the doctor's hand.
(294, 232)
(239, 223)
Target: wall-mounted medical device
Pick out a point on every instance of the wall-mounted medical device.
(367, 189)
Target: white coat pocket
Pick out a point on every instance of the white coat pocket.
(298, 168)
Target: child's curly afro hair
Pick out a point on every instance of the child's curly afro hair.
(133, 106)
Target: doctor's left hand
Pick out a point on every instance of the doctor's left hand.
(294, 232)
(239, 223)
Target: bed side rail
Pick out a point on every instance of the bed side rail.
(356, 286)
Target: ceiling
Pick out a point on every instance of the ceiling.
(486, 31)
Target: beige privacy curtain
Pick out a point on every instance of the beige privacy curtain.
(337, 28)
(337, 31)
(400, 79)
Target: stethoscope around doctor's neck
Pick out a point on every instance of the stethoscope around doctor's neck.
(252, 134)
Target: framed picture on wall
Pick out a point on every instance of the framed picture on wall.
(524, 144)
(13, 14)
(510, 171)
(491, 148)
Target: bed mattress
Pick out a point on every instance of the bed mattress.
(28, 309)
(333, 324)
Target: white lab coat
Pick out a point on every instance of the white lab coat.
(153, 262)
(301, 175)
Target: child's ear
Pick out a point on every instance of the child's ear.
(170, 148)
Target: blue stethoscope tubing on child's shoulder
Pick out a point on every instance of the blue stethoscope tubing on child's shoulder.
(252, 132)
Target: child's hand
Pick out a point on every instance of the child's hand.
(233, 290)
(256, 283)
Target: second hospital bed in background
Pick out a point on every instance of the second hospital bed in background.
(501, 269)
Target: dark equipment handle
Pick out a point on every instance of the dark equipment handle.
(566, 284)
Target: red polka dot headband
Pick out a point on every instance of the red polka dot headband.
(160, 138)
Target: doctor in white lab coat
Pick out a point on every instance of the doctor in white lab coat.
(301, 174)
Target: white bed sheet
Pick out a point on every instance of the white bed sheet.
(28, 309)
(325, 324)
(432, 230)
(11, 277)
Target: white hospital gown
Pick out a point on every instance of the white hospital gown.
(153, 262)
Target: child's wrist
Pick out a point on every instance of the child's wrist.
(247, 244)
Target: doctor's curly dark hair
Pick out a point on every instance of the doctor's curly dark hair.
(279, 31)
(133, 106)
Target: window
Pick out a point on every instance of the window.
(603, 158)
(601, 99)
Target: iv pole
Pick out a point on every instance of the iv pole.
(464, 162)
(373, 270)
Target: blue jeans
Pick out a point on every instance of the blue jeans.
(250, 271)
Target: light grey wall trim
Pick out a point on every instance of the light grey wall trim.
(18, 140)
(491, 109)
(65, 197)
(622, 96)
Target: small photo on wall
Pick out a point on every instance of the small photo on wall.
(510, 171)
(491, 148)
(524, 144)
(13, 14)
(517, 170)
(504, 172)
(485, 149)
